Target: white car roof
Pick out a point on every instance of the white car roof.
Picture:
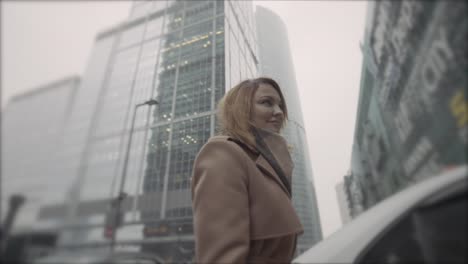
(344, 245)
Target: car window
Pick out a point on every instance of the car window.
(430, 234)
(441, 230)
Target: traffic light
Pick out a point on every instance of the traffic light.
(109, 232)
(113, 220)
(109, 226)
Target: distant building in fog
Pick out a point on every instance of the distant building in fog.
(411, 120)
(276, 62)
(32, 147)
(343, 203)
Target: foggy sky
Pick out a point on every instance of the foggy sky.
(45, 41)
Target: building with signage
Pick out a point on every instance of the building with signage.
(412, 121)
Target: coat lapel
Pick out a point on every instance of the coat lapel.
(265, 167)
(279, 149)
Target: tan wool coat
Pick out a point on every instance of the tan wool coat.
(242, 211)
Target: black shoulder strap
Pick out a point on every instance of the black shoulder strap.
(238, 142)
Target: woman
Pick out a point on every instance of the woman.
(241, 184)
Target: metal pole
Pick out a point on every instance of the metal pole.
(127, 153)
(15, 203)
(121, 196)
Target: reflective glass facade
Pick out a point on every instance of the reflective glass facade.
(241, 42)
(184, 54)
(276, 62)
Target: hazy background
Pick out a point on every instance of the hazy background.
(45, 41)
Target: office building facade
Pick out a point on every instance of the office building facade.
(185, 55)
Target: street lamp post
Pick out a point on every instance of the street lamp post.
(117, 203)
(15, 203)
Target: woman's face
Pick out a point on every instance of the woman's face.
(267, 113)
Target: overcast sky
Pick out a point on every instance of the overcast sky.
(45, 41)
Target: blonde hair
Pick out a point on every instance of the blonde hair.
(235, 109)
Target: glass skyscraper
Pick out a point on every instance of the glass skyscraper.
(184, 54)
(276, 62)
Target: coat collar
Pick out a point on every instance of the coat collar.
(279, 148)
